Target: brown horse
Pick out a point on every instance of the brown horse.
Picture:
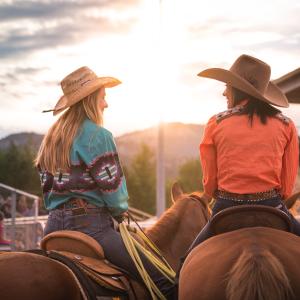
(247, 264)
(291, 203)
(29, 276)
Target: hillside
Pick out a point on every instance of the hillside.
(180, 143)
(21, 139)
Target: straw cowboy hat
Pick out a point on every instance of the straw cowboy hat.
(251, 76)
(78, 85)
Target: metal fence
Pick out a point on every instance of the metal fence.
(20, 233)
(25, 231)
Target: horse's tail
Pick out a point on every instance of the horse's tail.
(258, 275)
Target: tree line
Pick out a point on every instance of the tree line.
(17, 170)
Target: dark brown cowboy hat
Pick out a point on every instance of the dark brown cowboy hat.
(251, 76)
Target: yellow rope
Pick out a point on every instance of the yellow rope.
(132, 245)
(156, 262)
(162, 264)
(137, 260)
(148, 242)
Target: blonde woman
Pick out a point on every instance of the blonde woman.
(82, 180)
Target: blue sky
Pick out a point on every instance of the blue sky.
(156, 51)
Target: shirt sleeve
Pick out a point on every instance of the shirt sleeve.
(105, 168)
(208, 158)
(290, 163)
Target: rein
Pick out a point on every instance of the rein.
(198, 199)
(156, 258)
(142, 234)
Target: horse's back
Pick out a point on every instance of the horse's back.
(31, 276)
(205, 271)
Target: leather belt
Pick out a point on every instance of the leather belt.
(78, 206)
(248, 197)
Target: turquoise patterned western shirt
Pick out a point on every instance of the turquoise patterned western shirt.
(95, 174)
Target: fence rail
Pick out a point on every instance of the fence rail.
(12, 230)
(26, 232)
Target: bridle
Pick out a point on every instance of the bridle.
(198, 199)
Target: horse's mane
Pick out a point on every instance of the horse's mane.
(170, 219)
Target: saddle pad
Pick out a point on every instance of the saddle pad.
(109, 282)
(99, 270)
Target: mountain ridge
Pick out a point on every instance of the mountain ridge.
(181, 143)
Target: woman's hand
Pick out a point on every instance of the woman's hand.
(120, 218)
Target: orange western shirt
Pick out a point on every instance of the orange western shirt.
(244, 159)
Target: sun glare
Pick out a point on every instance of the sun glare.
(149, 61)
(146, 61)
(157, 56)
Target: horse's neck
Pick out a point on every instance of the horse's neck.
(173, 232)
(165, 230)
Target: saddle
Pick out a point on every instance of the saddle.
(88, 256)
(244, 216)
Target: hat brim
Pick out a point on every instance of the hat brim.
(273, 95)
(66, 101)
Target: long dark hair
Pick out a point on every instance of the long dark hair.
(254, 106)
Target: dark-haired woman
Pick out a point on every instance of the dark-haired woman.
(249, 153)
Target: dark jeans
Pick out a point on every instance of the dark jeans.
(98, 224)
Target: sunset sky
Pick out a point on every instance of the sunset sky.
(156, 51)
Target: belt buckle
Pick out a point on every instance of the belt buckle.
(77, 211)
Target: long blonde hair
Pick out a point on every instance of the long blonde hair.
(54, 152)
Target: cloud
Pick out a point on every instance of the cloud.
(22, 43)
(18, 83)
(218, 24)
(17, 74)
(21, 71)
(264, 38)
(257, 30)
(17, 10)
(31, 26)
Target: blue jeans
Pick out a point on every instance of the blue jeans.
(98, 224)
(221, 204)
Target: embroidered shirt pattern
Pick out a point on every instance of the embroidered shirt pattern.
(283, 118)
(107, 172)
(95, 173)
(239, 109)
(78, 179)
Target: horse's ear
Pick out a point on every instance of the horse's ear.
(176, 191)
(289, 202)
